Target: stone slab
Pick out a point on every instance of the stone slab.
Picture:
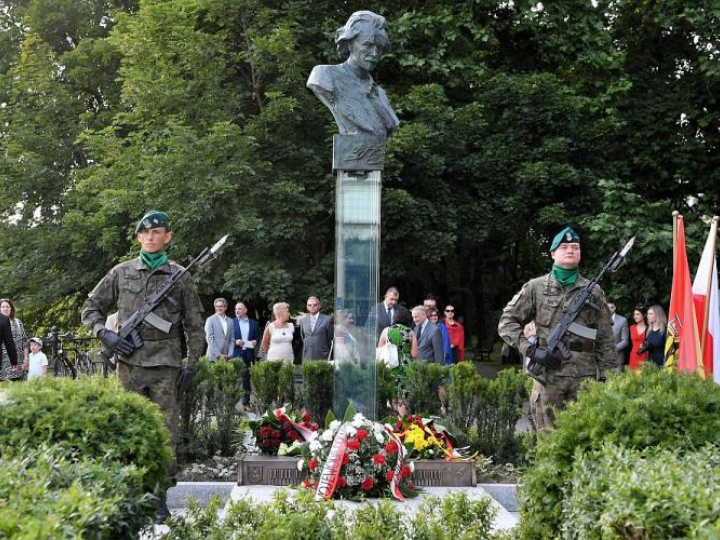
(201, 491)
(505, 494)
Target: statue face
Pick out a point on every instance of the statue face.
(367, 48)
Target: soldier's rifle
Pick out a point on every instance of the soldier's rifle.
(130, 329)
(555, 344)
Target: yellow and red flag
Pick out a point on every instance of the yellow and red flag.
(705, 294)
(682, 349)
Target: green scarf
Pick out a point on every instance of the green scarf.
(153, 260)
(565, 277)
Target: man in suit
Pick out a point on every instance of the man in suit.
(429, 338)
(388, 312)
(246, 333)
(6, 338)
(316, 332)
(219, 333)
(621, 333)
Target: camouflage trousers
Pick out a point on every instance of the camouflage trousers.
(158, 384)
(546, 398)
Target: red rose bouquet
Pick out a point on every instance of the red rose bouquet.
(355, 460)
(273, 431)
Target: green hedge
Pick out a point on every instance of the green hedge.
(208, 414)
(265, 383)
(625, 493)
(422, 382)
(637, 410)
(318, 379)
(46, 493)
(93, 416)
(453, 517)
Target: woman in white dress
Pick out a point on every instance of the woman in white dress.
(278, 336)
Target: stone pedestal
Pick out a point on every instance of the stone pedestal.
(283, 471)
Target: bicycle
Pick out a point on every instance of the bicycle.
(60, 365)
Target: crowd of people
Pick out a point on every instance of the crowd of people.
(643, 340)
(420, 333)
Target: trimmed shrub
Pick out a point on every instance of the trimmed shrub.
(48, 493)
(264, 380)
(385, 385)
(463, 395)
(624, 493)
(318, 378)
(208, 414)
(650, 408)
(422, 382)
(286, 386)
(454, 517)
(499, 407)
(93, 417)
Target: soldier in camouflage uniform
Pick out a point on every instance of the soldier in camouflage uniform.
(545, 300)
(153, 370)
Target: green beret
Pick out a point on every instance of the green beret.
(152, 220)
(566, 236)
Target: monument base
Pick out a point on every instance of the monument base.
(283, 471)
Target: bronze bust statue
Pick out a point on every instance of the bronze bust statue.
(357, 103)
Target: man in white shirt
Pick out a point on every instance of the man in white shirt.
(219, 333)
(37, 361)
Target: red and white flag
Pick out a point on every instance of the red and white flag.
(682, 349)
(707, 275)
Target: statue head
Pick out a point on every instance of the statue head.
(363, 39)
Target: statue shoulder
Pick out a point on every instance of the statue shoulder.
(322, 78)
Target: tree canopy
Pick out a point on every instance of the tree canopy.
(518, 119)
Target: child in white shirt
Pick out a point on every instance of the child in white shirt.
(37, 361)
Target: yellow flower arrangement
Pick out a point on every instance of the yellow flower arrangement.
(416, 436)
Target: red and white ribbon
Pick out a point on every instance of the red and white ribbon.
(331, 469)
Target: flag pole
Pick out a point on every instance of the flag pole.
(675, 215)
(708, 289)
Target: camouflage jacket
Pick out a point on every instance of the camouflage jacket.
(125, 286)
(544, 301)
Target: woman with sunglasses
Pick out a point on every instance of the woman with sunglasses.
(456, 333)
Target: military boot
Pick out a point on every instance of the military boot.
(163, 512)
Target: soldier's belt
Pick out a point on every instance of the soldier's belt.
(578, 346)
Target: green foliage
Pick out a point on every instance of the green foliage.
(318, 378)
(286, 385)
(264, 380)
(93, 417)
(50, 492)
(452, 517)
(499, 408)
(208, 414)
(648, 409)
(383, 390)
(618, 492)
(422, 382)
(463, 395)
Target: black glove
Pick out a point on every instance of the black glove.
(543, 357)
(115, 343)
(183, 381)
